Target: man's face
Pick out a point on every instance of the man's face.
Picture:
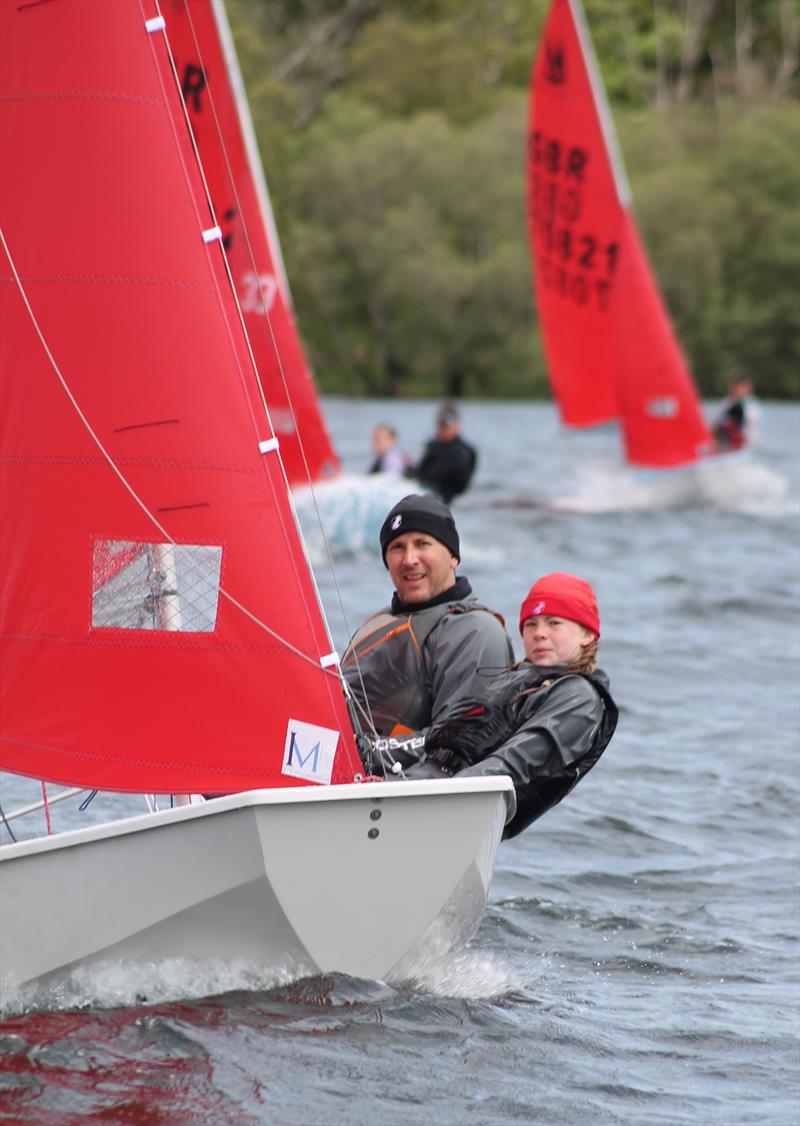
(420, 567)
(447, 430)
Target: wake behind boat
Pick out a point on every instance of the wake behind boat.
(161, 628)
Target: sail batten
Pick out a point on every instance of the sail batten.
(203, 674)
(611, 351)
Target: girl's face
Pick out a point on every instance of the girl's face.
(554, 641)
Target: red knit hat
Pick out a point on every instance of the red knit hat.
(562, 596)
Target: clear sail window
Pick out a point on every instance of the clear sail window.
(155, 586)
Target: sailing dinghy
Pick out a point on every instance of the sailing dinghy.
(611, 350)
(161, 629)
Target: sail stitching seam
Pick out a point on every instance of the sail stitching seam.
(112, 279)
(131, 760)
(81, 95)
(142, 462)
(149, 639)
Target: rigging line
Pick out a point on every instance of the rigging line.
(124, 481)
(52, 799)
(9, 830)
(46, 805)
(227, 54)
(364, 708)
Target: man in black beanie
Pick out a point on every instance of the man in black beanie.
(408, 663)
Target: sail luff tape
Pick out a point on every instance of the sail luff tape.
(157, 23)
(268, 446)
(213, 234)
(328, 660)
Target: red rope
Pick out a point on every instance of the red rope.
(47, 810)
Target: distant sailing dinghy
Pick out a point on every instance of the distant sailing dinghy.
(160, 626)
(344, 509)
(611, 351)
(213, 92)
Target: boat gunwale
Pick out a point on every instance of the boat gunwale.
(708, 461)
(249, 799)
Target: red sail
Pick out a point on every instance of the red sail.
(610, 348)
(160, 627)
(199, 39)
(662, 423)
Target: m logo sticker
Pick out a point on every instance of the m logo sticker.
(309, 752)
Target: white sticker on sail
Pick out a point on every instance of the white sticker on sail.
(309, 751)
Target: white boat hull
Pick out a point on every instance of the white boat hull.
(368, 880)
(720, 479)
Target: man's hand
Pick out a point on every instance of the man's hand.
(392, 754)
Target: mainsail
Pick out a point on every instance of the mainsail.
(160, 627)
(610, 347)
(205, 58)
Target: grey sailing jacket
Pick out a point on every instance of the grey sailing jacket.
(544, 727)
(405, 669)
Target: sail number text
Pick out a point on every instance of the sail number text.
(571, 260)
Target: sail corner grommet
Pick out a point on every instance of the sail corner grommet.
(212, 234)
(157, 23)
(268, 445)
(328, 660)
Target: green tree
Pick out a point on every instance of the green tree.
(393, 135)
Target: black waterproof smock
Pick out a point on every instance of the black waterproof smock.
(543, 727)
(446, 467)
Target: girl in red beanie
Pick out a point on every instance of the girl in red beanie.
(560, 624)
(544, 722)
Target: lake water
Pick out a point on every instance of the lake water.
(638, 962)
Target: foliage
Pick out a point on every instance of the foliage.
(393, 136)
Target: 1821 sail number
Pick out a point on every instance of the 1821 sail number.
(573, 284)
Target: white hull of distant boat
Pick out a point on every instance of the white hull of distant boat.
(364, 879)
(719, 479)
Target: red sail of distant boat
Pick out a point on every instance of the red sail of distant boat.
(610, 347)
(205, 59)
(160, 629)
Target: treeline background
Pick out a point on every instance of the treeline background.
(393, 138)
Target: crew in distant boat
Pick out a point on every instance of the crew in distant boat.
(408, 663)
(448, 462)
(389, 458)
(544, 722)
(736, 425)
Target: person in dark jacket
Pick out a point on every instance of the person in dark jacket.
(411, 661)
(448, 462)
(736, 425)
(544, 722)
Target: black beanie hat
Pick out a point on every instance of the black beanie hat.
(421, 512)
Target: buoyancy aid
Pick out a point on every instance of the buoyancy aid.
(385, 664)
(478, 725)
(540, 760)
